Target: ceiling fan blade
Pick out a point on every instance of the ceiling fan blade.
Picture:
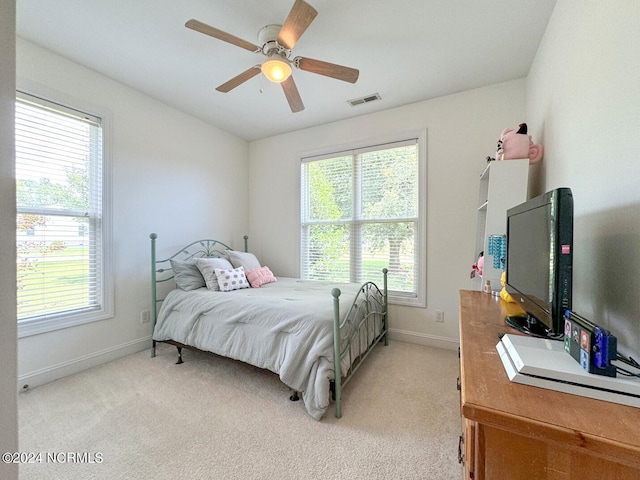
(293, 96)
(220, 35)
(299, 18)
(239, 79)
(346, 74)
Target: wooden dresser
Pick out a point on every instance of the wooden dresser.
(513, 431)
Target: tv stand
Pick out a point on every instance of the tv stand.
(516, 431)
(527, 324)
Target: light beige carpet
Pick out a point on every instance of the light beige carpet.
(215, 418)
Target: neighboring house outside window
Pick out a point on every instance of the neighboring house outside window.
(363, 210)
(63, 265)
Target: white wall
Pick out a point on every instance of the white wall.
(583, 100)
(462, 130)
(172, 174)
(8, 330)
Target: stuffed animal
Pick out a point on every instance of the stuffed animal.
(515, 143)
(503, 293)
(478, 266)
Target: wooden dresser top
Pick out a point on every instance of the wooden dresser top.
(488, 397)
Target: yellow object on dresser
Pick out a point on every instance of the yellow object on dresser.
(503, 293)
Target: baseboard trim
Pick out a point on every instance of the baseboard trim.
(64, 369)
(61, 370)
(424, 339)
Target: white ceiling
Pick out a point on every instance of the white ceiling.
(406, 50)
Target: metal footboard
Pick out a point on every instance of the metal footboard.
(356, 335)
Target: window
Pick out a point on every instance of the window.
(62, 259)
(361, 211)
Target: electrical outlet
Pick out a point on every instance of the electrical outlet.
(145, 316)
(440, 316)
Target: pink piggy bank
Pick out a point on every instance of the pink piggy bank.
(515, 143)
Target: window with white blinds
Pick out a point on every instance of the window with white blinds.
(60, 216)
(361, 212)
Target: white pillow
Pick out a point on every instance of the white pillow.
(243, 259)
(207, 267)
(231, 279)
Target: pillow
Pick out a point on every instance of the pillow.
(231, 279)
(186, 275)
(260, 276)
(207, 266)
(242, 259)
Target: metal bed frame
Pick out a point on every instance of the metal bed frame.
(371, 304)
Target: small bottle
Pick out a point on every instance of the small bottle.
(487, 286)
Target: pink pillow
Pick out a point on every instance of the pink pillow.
(260, 276)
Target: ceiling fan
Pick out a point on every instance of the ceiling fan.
(276, 43)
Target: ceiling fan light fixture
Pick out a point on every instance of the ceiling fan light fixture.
(276, 69)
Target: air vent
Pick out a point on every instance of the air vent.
(362, 100)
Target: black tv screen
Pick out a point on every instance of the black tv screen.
(539, 260)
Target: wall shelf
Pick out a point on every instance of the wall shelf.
(503, 184)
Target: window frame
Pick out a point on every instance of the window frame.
(56, 321)
(420, 136)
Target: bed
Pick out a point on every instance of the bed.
(304, 331)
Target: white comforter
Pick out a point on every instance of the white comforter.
(285, 327)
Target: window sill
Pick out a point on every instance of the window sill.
(37, 326)
(406, 300)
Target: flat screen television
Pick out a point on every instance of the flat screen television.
(539, 261)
